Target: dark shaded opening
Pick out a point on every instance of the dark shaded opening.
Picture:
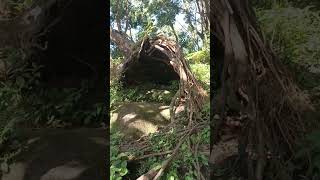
(76, 47)
(150, 69)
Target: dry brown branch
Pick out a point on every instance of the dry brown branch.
(168, 53)
(175, 152)
(150, 155)
(172, 106)
(167, 162)
(196, 164)
(253, 72)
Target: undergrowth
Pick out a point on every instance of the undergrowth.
(149, 92)
(295, 37)
(183, 167)
(118, 160)
(24, 101)
(143, 93)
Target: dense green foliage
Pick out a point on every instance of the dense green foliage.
(202, 73)
(118, 160)
(295, 37)
(294, 34)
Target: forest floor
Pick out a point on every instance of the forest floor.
(143, 136)
(58, 154)
(136, 119)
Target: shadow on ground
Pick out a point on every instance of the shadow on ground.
(135, 119)
(59, 154)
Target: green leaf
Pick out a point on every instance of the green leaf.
(123, 172)
(124, 164)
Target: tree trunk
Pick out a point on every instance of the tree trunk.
(174, 33)
(122, 41)
(261, 106)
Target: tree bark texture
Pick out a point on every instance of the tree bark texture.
(262, 107)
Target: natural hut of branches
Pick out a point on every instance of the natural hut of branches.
(261, 113)
(160, 60)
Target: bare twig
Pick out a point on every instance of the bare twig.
(196, 163)
(150, 155)
(172, 106)
(167, 162)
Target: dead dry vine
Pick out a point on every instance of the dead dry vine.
(190, 94)
(260, 84)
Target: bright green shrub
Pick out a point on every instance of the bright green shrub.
(202, 56)
(202, 73)
(118, 160)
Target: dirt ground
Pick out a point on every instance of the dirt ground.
(135, 119)
(60, 154)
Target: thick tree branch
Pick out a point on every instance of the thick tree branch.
(122, 41)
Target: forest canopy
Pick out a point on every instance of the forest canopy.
(182, 21)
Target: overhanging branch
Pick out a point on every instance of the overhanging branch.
(122, 41)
